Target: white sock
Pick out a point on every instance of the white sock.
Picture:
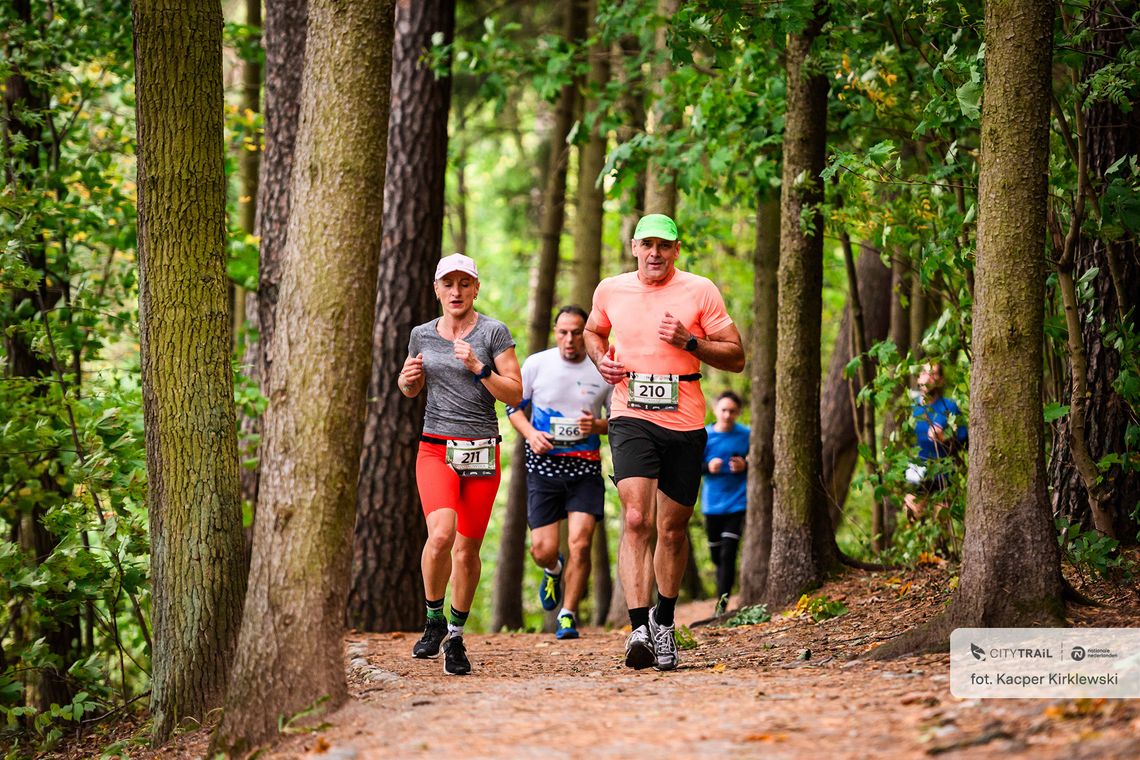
(454, 631)
(557, 569)
(568, 612)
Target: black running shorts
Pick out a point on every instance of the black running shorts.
(673, 457)
(548, 500)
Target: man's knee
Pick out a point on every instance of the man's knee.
(637, 523)
(544, 549)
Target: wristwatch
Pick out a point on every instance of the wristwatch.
(484, 373)
(691, 344)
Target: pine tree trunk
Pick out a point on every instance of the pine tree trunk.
(197, 549)
(840, 441)
(284, 42)
(803, 548)
(661, 181)
(506, 607)
(387, 587)
(758, 522)
(589, 211)
(291, 653)
(1110, 134)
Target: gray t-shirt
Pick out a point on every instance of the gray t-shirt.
(458, 404)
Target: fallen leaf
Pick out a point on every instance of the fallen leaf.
(720, 667)
(321, 746)
(765, 737)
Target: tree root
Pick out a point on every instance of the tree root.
(859, 564)
(1070, 594)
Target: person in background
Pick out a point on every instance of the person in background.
(940, 433)
(724, 497)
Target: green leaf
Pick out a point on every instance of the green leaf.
(969, 95)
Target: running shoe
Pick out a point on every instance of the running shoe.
(664, 643)
(550, 590)
(435, 631)
(639, 649)
(567, 627)
(455, 660)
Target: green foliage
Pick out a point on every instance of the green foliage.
(1092, 553)
(818, 608)
(754, 614)
(684, 638)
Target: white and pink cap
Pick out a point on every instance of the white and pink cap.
(456, 262)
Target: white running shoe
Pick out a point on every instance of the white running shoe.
(664, 643)
(639, 649)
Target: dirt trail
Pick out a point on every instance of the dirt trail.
(742, 692)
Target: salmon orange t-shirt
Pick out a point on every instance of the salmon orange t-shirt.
(633, 312)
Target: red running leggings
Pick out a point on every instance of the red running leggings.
(441, 488)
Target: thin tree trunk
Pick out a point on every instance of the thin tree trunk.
(1011, 571)
(386, 593)
(506, 607)
(197, 549)
(660, 180)
(803, 543)
(284, 42)
(758, 522)
(290, 654)
(632, 106)
(249, 160)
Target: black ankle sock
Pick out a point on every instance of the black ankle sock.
(457, 618)
(638, 616)
(665, 606)
(435, 610)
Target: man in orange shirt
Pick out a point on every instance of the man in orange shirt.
(648, 333)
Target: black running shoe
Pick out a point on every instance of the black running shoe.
(428, 646)
(455, 660)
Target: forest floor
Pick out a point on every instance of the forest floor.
(749, 691)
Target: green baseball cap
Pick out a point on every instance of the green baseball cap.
(655, 225)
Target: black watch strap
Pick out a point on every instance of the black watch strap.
(484, 373)
(691, 344)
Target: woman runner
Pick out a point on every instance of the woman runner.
(467, 361)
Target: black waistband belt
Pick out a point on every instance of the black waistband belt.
(443, 441)
(692, 376)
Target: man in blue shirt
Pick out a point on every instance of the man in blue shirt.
(724, 498)
(940, 433)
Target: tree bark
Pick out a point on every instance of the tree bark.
(249, 161)
(840, 441)
(758, 522)
(506, 607)
(803, 543)
(197, 549)
(1011, 572)
(290, 653)
(284, 43)
(661, 181)
(387, 587)
(632, 106)
(1111, 134)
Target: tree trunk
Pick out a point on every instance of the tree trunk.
(840, 441)
(1011, 572)
(387, 587)
(506, 607)
(249, 160)
(1111, 134)
(591, 194)
(661, 181)
(803, 543)
(284, 42)
(632, 107)
(758, 522)
(197, 549)
(290, 653)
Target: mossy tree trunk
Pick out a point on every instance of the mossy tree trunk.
(284, 41)
(803, 543)
(387, 587)
(1011, 571)
(197, 550)
(290, 652)
(758, 522)
(506, 605)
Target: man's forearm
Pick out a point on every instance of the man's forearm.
(596, 345)
(721, 354)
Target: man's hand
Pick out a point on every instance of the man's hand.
(540, 442)
(611, 370)
(715, 465)
(586, 422)
(737, 464)
(466, 354)
(934, 433)
(672, 331)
